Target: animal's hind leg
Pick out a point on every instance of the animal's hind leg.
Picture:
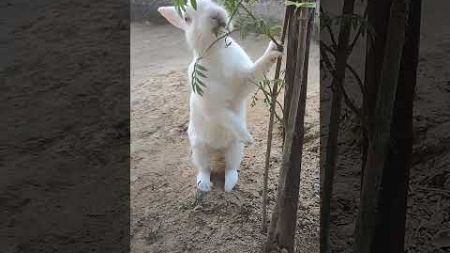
(201, 157)
(233, 158)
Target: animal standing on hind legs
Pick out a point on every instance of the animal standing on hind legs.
(218, 115)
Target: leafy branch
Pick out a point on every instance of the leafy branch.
(268, 93)
(199, 70)
(197, 84)
(260, 26)
(362, 27)
(325, 48)
(301, 4)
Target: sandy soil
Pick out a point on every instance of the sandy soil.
(164, 217)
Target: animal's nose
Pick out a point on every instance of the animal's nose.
(220, 20)
(222, 23)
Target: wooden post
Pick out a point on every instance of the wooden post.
(283, 224)
(390, 231)
(368, 215)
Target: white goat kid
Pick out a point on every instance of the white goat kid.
(217, 118)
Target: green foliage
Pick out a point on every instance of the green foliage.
(265, 87)
(180, 6)
(230, 5)
(197, 73)
(249, 25)
(194, 4)
(254, 98)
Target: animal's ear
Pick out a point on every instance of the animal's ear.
(172, 16)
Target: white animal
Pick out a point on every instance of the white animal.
(218, 117)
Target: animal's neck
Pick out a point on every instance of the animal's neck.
(208, 49)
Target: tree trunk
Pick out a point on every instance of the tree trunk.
(390, 232)
(378, 17)
(290, 67)
(333, 129)
(282, 230)
(368, 215)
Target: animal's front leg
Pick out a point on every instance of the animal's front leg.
(265, 62)
(201, 157)
(232, 122)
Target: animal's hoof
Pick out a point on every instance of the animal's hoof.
(204, 186)
(231, 178)
(248, 142)
(275, 47)
(203, 183)
(248, 139)
(274, 55)
(274, 52)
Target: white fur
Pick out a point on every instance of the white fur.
(218, 118)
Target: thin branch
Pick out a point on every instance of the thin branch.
(333, 40)
(233, 14)
(270, 128)
(358, 79)
(349, 67)
(355, 39)
(280, 105)
(347, 99)
(268, 97)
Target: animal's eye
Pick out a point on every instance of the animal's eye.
(187, 19)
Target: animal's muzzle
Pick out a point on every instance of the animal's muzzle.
(220, 21)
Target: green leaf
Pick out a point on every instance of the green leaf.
(194, 4)
(179, 10)
(201, 74)
(200, 67)
(275, 30)
(201, 83)
(199, 91)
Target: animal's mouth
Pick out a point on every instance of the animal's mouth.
(219, 27)
(220, 22)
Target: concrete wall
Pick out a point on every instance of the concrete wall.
(273, 10)
(145, 10)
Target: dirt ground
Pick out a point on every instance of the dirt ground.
(164, 217)
(64, 141)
